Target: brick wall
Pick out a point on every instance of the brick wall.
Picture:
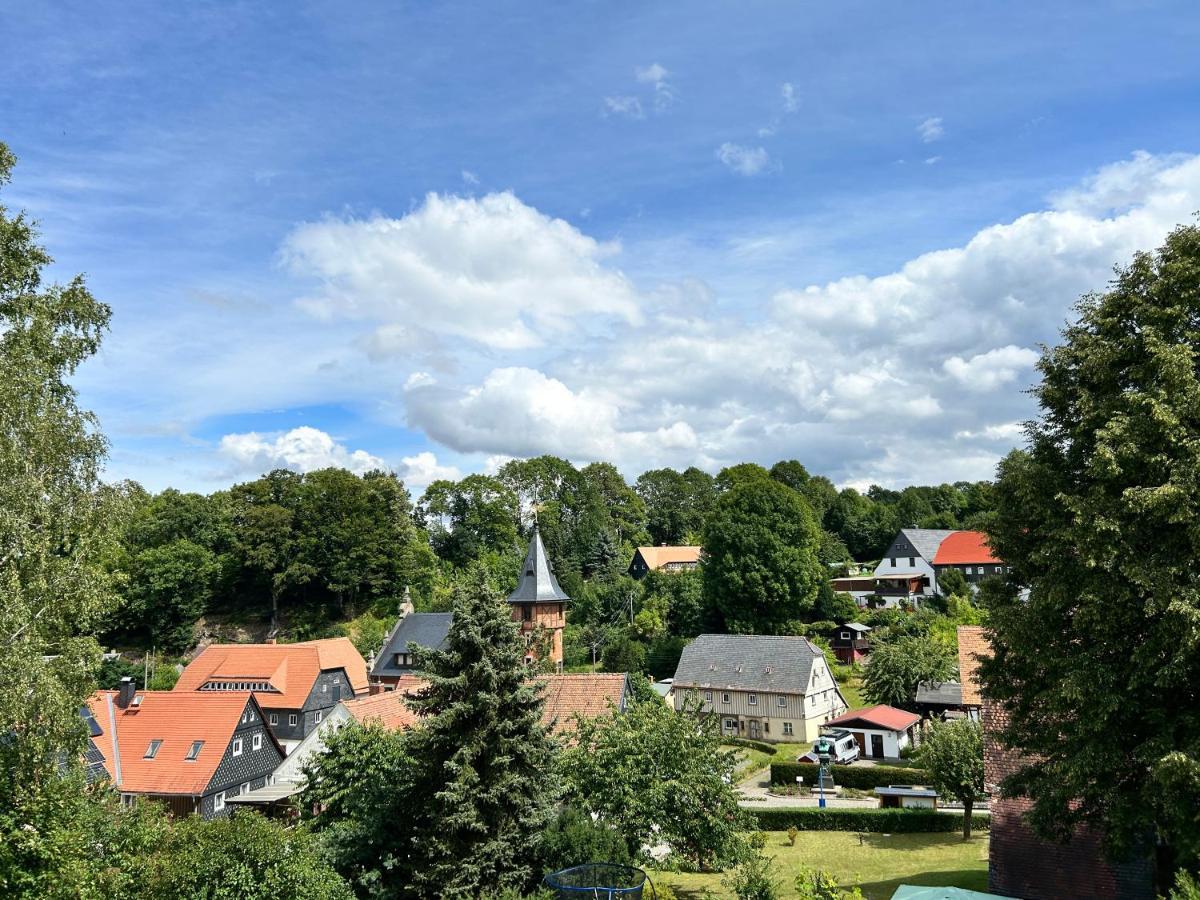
(1023, 865)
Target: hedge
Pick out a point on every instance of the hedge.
(762, 746)
(862, 777)
(875, 821)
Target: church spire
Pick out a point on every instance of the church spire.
(537, 583)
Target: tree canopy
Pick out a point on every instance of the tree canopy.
(1099, 663)
(952, 752)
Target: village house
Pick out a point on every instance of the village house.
(907, 565)
(968, 551)
(295, 684)
(1020, 864)
(664, 559)
(540, 605)
(850, 642)
(880, 731)
(192, 750)
(942, 700)
(773, 688)
(395, 659)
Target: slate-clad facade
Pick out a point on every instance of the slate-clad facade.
(395, 660)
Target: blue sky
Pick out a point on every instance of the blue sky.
(438, 235)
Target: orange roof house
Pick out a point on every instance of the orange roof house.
(189, 748)
(584, 695)
(965, 548)
(296, 684)
(664, 558)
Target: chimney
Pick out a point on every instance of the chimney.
(125, 696)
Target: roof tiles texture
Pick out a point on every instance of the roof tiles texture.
(965, 547)
(388, 708)
(880, 715)
(178, 719)
(972, 644)
(926, 541)
(537, 577)
(423, 629)
(290, 669)
(748, 662)
(657, 557)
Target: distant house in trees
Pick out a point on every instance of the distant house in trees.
(850, 642)
(295, 684)
(881, 731)
(193, 750)
(1020, 864)
(940, 700)
(585, 695)
(968, 551)
(664, 559)
(907, 566)
(773, 688)
(395, 660)
(860, 587)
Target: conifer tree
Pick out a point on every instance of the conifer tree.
(483, 755)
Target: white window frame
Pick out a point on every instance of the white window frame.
(320, 715)
(725, 698)
(152, 748)
(845, 635)
(708, 696)
(243, 788)
(256, 742)
(787, 729)
(325, 688)
(293, 719)
(237, 746)
(218, 801)
(752, 699)
(194, 751)
(274, 718)
(782, 700)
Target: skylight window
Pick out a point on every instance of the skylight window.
(195, 749)
(152, 750)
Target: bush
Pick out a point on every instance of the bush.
(816, 884)
(862, 777)
(874, 821)
(752, 744)
(664, 892)
(752, 880)
(574, 838)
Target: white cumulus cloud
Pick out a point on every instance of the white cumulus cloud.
(303, 449)
(421, 469)
(490, 269)
(987, 371)
(931, 129)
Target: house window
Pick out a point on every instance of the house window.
(892, 560)
(325, 688)
(787, 728)
(274, 718)
(766, 727)
(708, 696)
(845, 635)
(244, 789)
(219, 802)
(256, 742)
(527, 613)
(754, 699)
(237, 746)
(195, 749)
(319, 714)
(999, 569)
(152, 750)
(912, 562)
(782, 700)
(292, 719)
(724, 698)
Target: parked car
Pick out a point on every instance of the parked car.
(845, 748)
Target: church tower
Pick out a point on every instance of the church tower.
(539, 601)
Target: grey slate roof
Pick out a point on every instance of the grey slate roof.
(857, 626)
(747, 662)
(944, 693)
(537, 578)
(926, 540)
(422, 629)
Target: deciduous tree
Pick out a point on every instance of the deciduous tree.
(953, 754)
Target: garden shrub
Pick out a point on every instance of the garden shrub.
(875, 821)
(862, 777)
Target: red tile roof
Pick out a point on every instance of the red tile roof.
(177, 718)
(588, 695)
(657, 557)
(290, 669)
(972, 643)
(881, 716)
(387, 708)
(967, 547)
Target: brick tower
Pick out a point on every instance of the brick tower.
(538, 601)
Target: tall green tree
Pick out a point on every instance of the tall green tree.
(57, 523)
(953, 755)
(896, 666)
(1100, 518)
(656, 775)
(761, 567)
(677, 503)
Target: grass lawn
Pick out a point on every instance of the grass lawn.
(851, 691)
(878, 865)
(749, 760)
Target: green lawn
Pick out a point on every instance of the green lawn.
(851, 691)
(879, 864)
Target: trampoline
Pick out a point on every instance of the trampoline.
(600, 881)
